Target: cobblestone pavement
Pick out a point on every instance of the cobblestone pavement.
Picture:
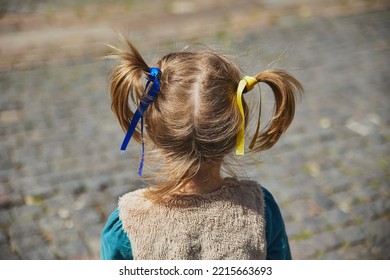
(61, 172)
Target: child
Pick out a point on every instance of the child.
(193, 112)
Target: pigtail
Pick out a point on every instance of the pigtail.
(286, 89)
(126, 83)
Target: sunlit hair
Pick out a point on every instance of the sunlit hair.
(195, 119)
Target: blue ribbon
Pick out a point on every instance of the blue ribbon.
(138, 115)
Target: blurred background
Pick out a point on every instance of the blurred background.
(61, 171)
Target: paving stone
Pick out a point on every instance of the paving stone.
(357, 252)
(21, 183)
(26, 212)
(92, 199)
(291, 194)
(316, 224)
(332, 255)
(366, 194)
(326, 241)
(31, 247)
(34, 168)
(85, 217)
(51, 222)
(3, 237)
(108, 208)
(381, 207)
(64, 236)
(10, 200)
(354, 234)
(22, 229)
(362, 212)
(6, 253)
(125, 179)
(380, 248)
(91, 235)
(302, 250)
(344, 200)
(117, 191)
(55, 203)
(5, 217)
(337, 217)
(71, 187)
(4, 187)
(41, 253)
(300, 209)
(293, 228)
(336, 181)
(74, 251)
(323, 201)
(378, 229)
(5, 175)
(98, 183)
(37, 191)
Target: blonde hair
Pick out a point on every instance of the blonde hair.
(195, 118)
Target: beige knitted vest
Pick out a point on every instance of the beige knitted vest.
(225, 224)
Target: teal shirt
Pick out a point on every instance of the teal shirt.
(115, 245)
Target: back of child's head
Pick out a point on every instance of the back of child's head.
(195, 119)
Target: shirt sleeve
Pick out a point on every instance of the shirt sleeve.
(115, 245)
(278, 247)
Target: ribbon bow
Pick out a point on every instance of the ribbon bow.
(153, 79)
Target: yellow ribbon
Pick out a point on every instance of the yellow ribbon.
(246, 83)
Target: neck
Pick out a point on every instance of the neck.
(208, 179)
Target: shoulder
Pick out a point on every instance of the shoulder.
(114, 241)
(276, 236)
(269, 199)
(133, 201)
(272, 211)
(250, 187)
(245, 193)
(245, 187)
(263, 196)
(134, 208)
